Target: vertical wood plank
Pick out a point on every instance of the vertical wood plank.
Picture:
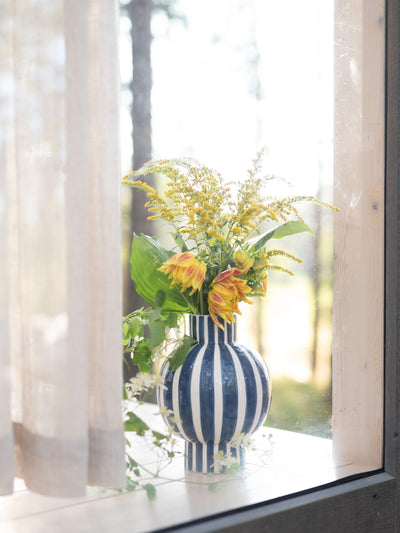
(392, 224)
(357, 367)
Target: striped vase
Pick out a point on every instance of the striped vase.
(221, 392)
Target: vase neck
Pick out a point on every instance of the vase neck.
(203, 329)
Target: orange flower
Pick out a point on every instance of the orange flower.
(185, 269)
(225, 293)
(264, 284)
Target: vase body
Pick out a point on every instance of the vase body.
(221, 392)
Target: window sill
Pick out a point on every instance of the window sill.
(296, 463)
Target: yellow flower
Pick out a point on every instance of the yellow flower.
(260, 262)
(185, 269)
(243, 260)
(225, 293)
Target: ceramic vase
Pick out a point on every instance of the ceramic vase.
(220, 393)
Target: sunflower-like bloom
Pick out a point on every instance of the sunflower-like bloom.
(243, 260)
(225, 293)
(185, 269)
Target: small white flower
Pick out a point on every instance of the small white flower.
(222, 461)
(142, 382)
(243, 441)
(176, 420)
(163, 411)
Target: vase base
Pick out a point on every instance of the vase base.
(212, 458)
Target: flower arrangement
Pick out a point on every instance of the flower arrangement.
(221, 256)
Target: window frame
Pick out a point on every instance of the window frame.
(369, 502)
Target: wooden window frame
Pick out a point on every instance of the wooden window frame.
(358, 281)
(370, 502)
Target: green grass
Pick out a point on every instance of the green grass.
(300, 407)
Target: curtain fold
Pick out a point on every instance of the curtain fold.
(60, 304)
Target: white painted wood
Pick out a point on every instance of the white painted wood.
(357, 374)
(297, 462)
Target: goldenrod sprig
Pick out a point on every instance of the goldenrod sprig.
(274, 252)
(213, 220)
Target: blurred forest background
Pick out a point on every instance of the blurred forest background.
(217, 80)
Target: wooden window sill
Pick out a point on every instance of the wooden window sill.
(296, 463)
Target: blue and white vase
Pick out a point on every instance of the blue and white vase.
(221, 392)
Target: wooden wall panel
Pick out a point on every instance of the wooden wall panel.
(357, 367)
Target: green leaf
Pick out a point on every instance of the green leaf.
(150, 490)
(126, 338)
(172, 320)
(179, 241)
(154, 314)
(132, 462)
(147, 255)
(157, 334)
(159, 298)
(136, 424)
(142, 356)
(131, 484)
(132, 327)
(178, 357)
(136, 327)
(159, 436)
(283, 230)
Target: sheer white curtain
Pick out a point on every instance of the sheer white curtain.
(60, 327)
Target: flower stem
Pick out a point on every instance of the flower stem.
(201, 302)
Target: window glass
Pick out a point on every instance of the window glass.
(306, 81)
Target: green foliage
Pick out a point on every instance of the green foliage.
(145, 334)
(279, 232)
(150, 490)
(131, 484)
(157, 334)
(179, 241)
(213, 223)
(142, 355)
(136, 424)
(300, 407)
(147, 255)
(135, 470)
(137, 473)
(159, 437)
(133, 466)
(172, 320)
(178, 356)
(217, 260)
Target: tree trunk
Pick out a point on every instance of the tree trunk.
(140, 15)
